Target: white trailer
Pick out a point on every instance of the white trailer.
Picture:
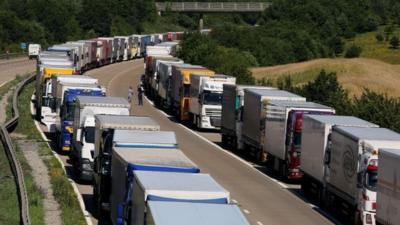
(283, 130)
(353, 168)
(206, 99)
(126, 43)
(178, 187)
(232, 111)
(164, 74)
(254, 114)
(84, 128)
(388, 196)
(315, 140)
(168, 213)
(80, 58)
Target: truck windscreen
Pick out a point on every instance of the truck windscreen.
(210, 98)
(371, 180)
(69, 111)
(89, 134)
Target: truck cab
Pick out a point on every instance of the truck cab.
(86, 107)
(65, 129)
(353, 165)
(206, 99)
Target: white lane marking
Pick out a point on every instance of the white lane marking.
(259, 223)
(246, 211)
(282, 185)
(234, 201)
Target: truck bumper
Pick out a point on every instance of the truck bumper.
(368, 218)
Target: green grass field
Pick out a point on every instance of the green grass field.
(373, 49)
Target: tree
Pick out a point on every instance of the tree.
(394, 42)
(325, 89)
(353, 51)
(379, 37)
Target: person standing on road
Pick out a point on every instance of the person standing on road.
(130, 94)
(140, 91)
(7, 54)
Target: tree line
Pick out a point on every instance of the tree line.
(56, 21)
(372, 106)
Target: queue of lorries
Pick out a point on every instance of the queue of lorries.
(334, 157)
(140, 176)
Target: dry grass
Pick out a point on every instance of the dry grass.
(353, 74)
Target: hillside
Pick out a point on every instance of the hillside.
(374, 49)
(353, 74)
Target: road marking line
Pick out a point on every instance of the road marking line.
(246, 211)
(234, 201)
(259, 223)
(282, 185)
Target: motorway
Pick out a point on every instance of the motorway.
(263, 199)
(9, 69)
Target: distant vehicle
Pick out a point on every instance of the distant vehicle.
(34, 50)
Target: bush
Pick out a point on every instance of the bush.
(394, 42)
(379, 37)
(353, 51)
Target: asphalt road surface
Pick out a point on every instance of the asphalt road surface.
(9, 69)
(262, 198)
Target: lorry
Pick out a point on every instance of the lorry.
(206, 99)
(82, 58)
(71, 51)
(86, 107)
(164, 74)
(353, 164)
(232, 111)
(388, 196)
(163, 186)
(151, 78)
(90, 52)
(43, 89)
(283, 130)
(254, 115)
(68, 92)
(126, 45)
(105, 127)
(167, 213)
(133, 142)
(58, 87)
(34, 50)
(113, 47)
(315, 139)
(180, 88)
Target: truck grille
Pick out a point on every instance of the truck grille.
(215, 121)
(213, 112)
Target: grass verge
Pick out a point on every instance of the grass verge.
(71, 213)
(9, 207)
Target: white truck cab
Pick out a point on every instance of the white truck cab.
(206, 99)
